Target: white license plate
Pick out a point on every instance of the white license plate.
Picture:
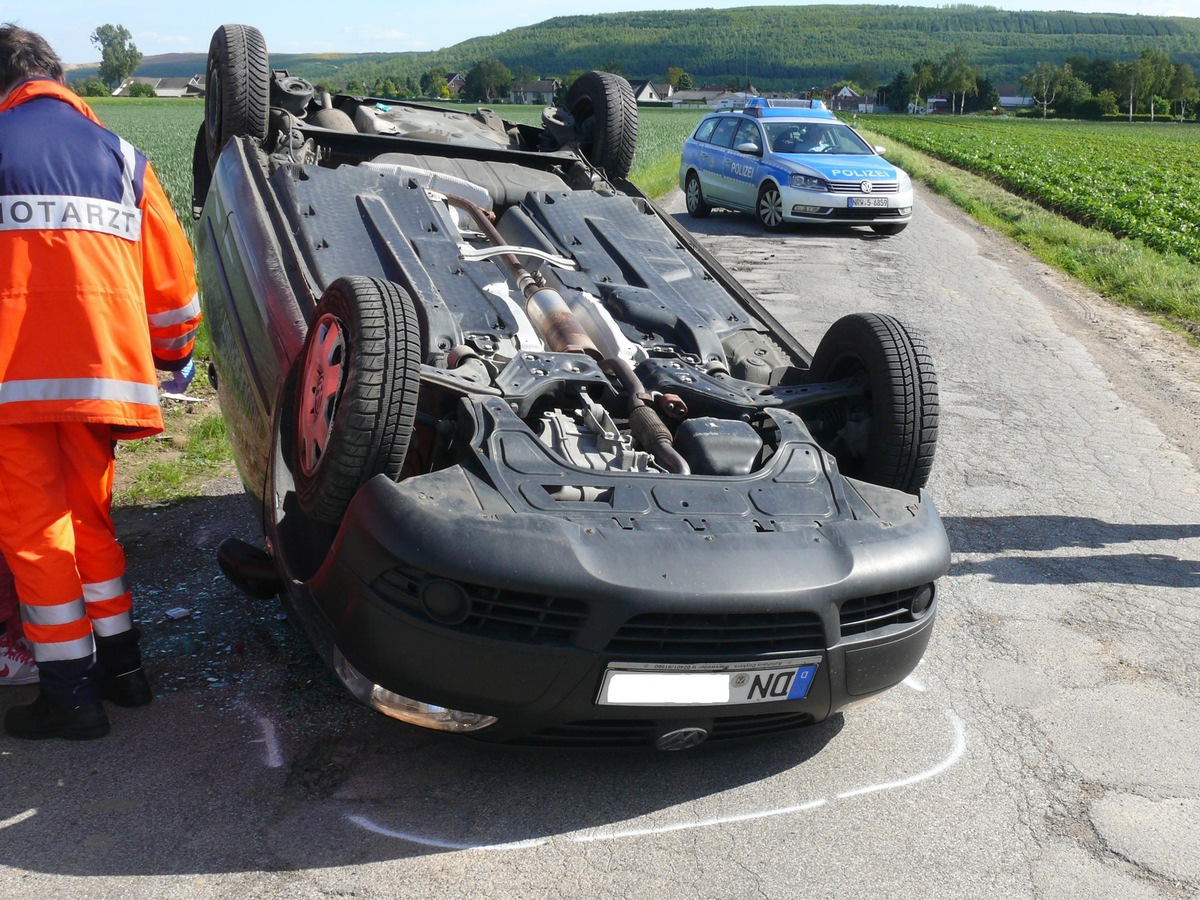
(869, 202)
(707, 684)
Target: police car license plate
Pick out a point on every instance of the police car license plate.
(871, 202)
(707, 684)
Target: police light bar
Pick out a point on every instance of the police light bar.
(784, 103)
(763, 108)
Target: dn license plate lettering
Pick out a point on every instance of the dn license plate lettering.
(632, 684)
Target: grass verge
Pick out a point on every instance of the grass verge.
(193, 448)
(1125, 270)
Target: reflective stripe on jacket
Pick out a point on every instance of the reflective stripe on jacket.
(97, 281)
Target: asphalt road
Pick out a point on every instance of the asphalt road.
(1048, 746)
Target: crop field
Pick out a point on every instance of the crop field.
(164, 130)
(1134, 180)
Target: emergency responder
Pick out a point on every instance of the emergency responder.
(97, 289)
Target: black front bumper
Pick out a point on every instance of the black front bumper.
(540, 605)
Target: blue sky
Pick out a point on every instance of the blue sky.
(351, 26)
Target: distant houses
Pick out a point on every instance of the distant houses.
(165, 87)
(647, 92)
(541, 91)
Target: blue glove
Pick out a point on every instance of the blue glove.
(179, 381)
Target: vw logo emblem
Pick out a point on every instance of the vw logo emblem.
(681, 738)
(866, 187)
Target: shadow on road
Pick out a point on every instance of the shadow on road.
(1044, 534)
(253, 758)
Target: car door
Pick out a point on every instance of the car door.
(742, 166)
(714, 159)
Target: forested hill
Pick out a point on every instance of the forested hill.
(780, 47)
(809, 45)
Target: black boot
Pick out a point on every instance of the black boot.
(127, 689)
(119, 671)
(43, 719)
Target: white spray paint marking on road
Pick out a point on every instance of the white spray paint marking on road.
(702, 823)
(912, 681)
(960, 747)
(375, 828)
(271, 740)
(17, 819)
(956, 753)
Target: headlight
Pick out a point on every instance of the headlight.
(905, 182)
(808, 182)
(415, 712)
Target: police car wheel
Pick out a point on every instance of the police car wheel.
(355, 393)
(696, 206)
(237, 89)
(889, 228)
(888, 436)
(770, 207)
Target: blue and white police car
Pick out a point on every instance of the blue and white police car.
(792, 161)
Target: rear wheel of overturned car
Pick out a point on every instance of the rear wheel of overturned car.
(889, 227)
(888, 437)
(770, 207)
(238, 88)
(697, 206)
(606, 118)
(357, 384)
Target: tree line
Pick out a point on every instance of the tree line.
(1080, 87)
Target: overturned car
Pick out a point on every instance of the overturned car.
(532, 465)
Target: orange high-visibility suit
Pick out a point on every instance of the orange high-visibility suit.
(97, 290)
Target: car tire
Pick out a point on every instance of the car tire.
(769, 207)
(889, 228)
(356, 393)
(697, 207)
(889, 437)
(606, 118)
(238, 88)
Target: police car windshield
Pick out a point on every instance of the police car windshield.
(815, 137)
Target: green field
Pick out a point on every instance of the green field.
(164, 130)
(1133, 180)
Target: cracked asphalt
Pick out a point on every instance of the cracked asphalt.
(1046, 747)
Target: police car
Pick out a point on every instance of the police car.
(792, 161)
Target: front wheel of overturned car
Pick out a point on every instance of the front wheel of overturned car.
(888, 437)
(889, 228)
(357, 388)
(237, 93)
(606, 117)
(770, 207)
(697, 206)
